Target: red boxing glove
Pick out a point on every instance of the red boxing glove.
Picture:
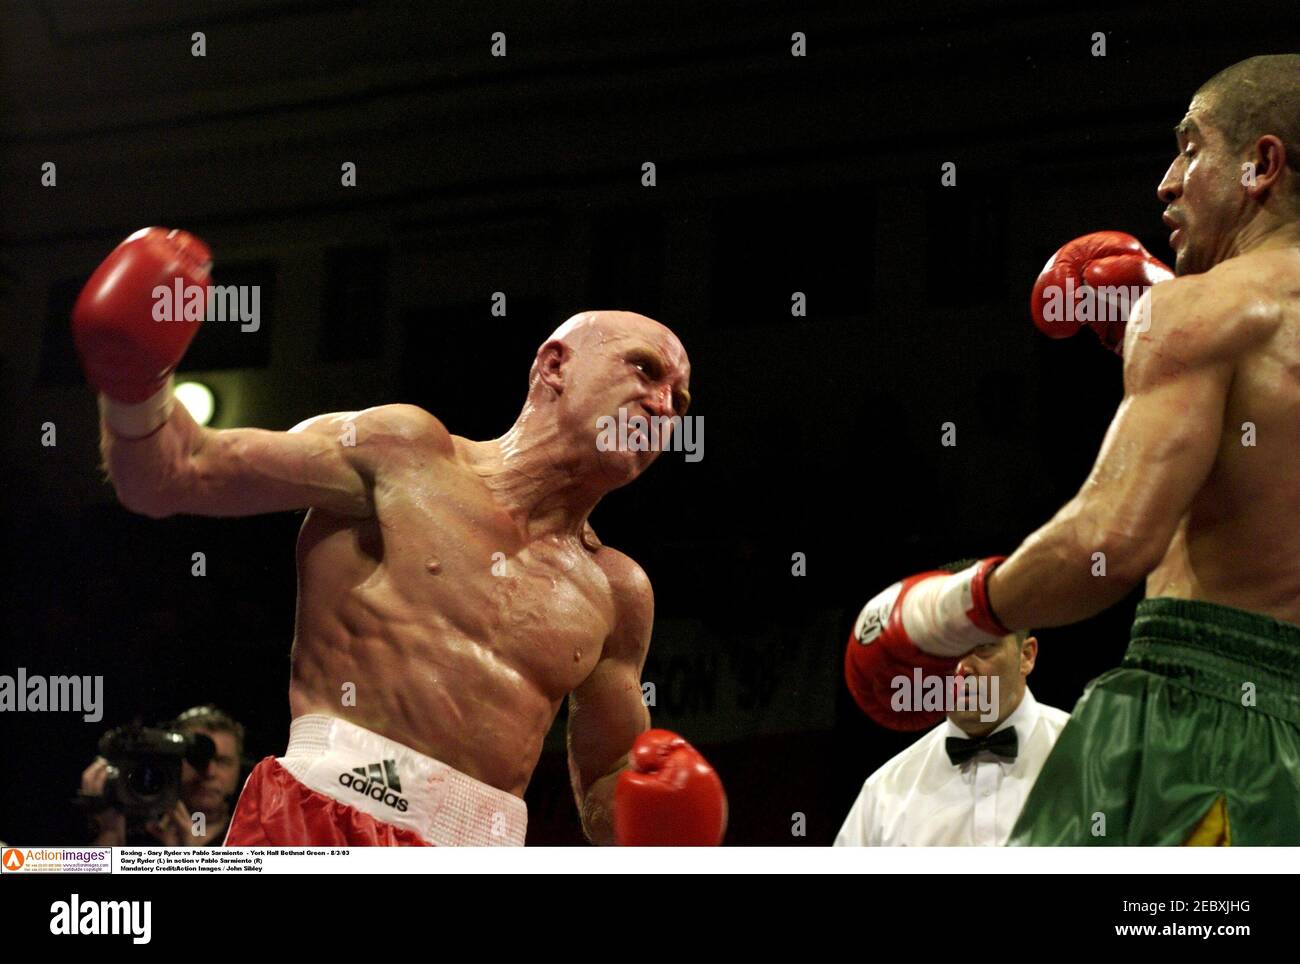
(1076, 287)
(669, 796)
(926, 623)
(127, 350)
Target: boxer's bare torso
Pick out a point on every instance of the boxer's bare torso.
(451, 592)
(1239, 541)
(460, 631)
(1176, 499)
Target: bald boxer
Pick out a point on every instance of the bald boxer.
(451, 591)
(1196, 490)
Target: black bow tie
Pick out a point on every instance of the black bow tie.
(1003, 743)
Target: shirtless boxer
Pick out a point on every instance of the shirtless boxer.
(450, 592)
(1196, 738)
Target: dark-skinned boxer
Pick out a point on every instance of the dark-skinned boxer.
(1195, 739)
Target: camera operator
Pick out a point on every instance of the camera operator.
(160, 815)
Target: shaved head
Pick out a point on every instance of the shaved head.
(589, 329)
(1255, 97)
(598, 326)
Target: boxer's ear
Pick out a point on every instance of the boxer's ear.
(551, 360)
(1263, 169)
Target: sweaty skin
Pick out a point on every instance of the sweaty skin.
(455, 584)
(1238, 541)
(1177, 496)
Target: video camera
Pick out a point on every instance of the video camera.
(144, 767)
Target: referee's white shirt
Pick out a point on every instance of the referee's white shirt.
(920, 799)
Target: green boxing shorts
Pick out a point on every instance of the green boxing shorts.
(1195, 739)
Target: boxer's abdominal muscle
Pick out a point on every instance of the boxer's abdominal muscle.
(1238, 543)
(447, 656)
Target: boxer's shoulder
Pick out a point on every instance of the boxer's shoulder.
(1258, 268)
(1200, 320)
(630, 591)
(380, 426)
(390, 439)
(407, 425)
(628, 585)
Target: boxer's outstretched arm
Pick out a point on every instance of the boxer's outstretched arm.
(1158, 452)
(607, 713)
(327, 462)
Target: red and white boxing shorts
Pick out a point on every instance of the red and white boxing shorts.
(341, 785)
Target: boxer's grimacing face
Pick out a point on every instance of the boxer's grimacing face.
(1204, 199)
(644, 372)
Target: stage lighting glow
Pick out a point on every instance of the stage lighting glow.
(198, 400)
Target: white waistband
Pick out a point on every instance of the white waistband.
(397, 785)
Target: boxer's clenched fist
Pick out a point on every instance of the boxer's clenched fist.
(1103, 259)
(126, 353)
(669, 796)
(925, 622)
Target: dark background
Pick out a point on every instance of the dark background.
(521, 175)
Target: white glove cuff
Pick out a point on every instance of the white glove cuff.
(136, 420)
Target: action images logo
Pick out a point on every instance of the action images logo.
(379, 782)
